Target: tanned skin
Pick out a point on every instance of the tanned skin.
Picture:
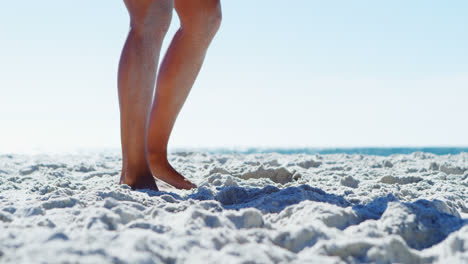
(146, 124)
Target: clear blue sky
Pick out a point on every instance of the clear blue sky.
(279, 73)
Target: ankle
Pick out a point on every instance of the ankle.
(137, 174)
(159, 157)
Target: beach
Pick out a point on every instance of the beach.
(248, 208)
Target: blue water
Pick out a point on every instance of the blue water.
(365, 151)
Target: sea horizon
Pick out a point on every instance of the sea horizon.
(377, 151)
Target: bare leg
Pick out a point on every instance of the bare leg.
(149, 21)
(200, 20)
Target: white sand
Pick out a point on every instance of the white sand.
(259, 208)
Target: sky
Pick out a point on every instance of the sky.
(302, 73)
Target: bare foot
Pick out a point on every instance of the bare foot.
(145, 181)
(165, 172)
(164, 186)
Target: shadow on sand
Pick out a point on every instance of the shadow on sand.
(421, 223)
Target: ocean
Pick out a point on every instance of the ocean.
(377, 151)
